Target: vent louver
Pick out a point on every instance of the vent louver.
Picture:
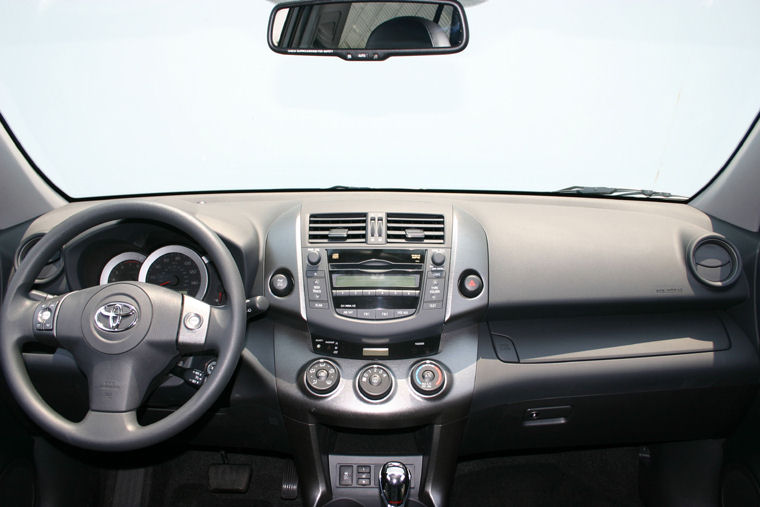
(715, 261)
(338, 228)
(415, 228)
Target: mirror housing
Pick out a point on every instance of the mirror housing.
(368, 30)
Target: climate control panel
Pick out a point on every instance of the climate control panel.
(375, 382)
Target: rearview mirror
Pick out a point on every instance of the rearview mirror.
(367, 29)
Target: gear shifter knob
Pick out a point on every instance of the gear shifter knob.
(394, 484)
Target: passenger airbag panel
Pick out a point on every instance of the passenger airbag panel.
(612, 337)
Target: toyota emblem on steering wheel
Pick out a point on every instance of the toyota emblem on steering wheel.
(116, 317)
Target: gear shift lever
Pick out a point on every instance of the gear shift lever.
(394, 484)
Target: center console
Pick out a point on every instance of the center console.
(375, 343)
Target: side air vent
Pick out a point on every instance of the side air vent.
(715, 261)
(50, 271)
(338, 228)
(414, 228)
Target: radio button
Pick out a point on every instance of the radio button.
(384, 314)
(347, 312)
(315, 274)
(368, 292)
(354, 292)
(403, 313)
(396, 292)
(318, 305)
(432, 305)
(434, 290)
(316, 289)
(410, 293)
(366, 314)
(439, 273)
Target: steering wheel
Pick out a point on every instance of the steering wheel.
(124, 336)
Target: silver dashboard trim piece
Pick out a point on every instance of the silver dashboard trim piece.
(452, 263)
(189, 338)
(189, 252)
(115, 261)
(299, 264)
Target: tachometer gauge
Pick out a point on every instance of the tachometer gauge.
(178, 268)
(125, 267)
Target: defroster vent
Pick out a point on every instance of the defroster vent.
(415, 228)
(338, 228)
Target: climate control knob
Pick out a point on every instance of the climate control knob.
(321, 377)
(428, 378)
(375, 382)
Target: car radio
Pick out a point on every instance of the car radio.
(376, 284)
(375, 295)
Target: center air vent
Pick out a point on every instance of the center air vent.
(415, 228)
(338, 228)
(715, 261)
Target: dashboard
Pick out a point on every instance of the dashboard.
(425, 327)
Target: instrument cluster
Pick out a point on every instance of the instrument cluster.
(176, 267)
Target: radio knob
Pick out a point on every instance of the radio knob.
(313, 258)
(438, 259)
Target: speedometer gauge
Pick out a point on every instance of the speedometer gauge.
(178, 268)
(125, 267)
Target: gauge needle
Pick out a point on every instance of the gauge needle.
(165, 283)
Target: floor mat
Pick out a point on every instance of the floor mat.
(579, 478)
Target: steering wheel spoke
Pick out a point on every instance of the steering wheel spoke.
(107, 427)
(22, 318)
(218, 331)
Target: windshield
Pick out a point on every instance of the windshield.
(112, 98)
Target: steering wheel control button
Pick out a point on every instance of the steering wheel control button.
(44, 315)
(314, 258)
(471, 285)
(428, 378)
(438, 259)
(375, 382)
(281, 284)
(193, 321)
(321, 377)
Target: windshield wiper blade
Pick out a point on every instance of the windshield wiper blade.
(618, 192)
(344, 187)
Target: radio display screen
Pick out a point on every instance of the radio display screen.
(346, 281)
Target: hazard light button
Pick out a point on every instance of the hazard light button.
(471, 285)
